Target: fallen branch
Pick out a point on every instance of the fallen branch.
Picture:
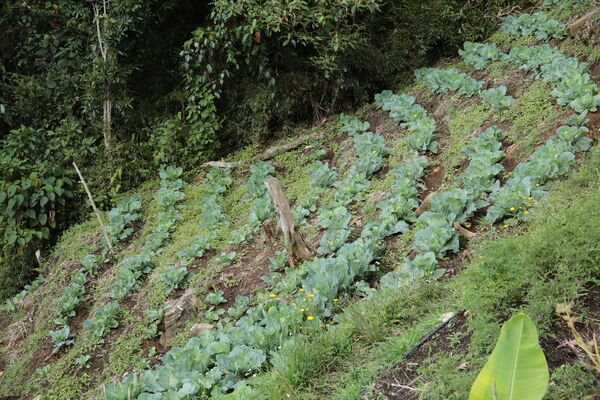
(269, 153)
(464, 231)
(576, 26)
(94, 207)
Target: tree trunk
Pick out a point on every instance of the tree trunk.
(107, 117)
(297, 249)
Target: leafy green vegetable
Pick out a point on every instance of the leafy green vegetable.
(448, 80)
(61, 337)
(84, 361)
(173, 278)
(216, 298)
(240, 306)
(104, 319)
(352, 125)
(536, 24)
(480, 55)
(279, 261)
(497, 97)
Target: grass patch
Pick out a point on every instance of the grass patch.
(461, 125)
(531, 114)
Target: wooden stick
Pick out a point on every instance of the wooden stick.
(94, 207)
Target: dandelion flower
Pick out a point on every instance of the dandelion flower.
(506, 226)
(302, 309)
(294, 304)
(272, 295)
(302, 290)
(481, 256)
(336, 300)
(310, 318)
(311, 295)
(305, 299)
(512, 209)
(526, 212)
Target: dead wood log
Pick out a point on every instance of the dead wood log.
(576, 26)
(269, 153)
(297, 249)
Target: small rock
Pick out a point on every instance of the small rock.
(447, 316)
(197, 329)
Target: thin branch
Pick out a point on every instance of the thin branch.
(87, 190)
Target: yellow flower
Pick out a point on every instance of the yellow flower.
(310, 318)
(537, 184)
(336, 300)
(512, 209)
(294, 304)
(481, 256)
(311, 295)
(528, 205)
(530, 198)
(506, 226)
(302, 290)
(526, 212)
(305, 299)
(302, 309)
(272, 295)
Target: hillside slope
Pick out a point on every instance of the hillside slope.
(488, 138)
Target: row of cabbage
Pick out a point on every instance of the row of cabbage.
(213, 219)
(438, 236)
(537, 24)
(221, 359)
(334, 216)
(119, 227)
(552, 159)
(452, 80)
(571, 79)
(410, 115)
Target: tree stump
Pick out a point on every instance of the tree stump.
(297, 249)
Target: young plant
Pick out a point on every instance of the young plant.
(104, 320)
(61, 337)
(84, 361)
(240, 307)
(216, 298)
(279, 261)
(517, 367)
(497, 98)
(173, 278)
